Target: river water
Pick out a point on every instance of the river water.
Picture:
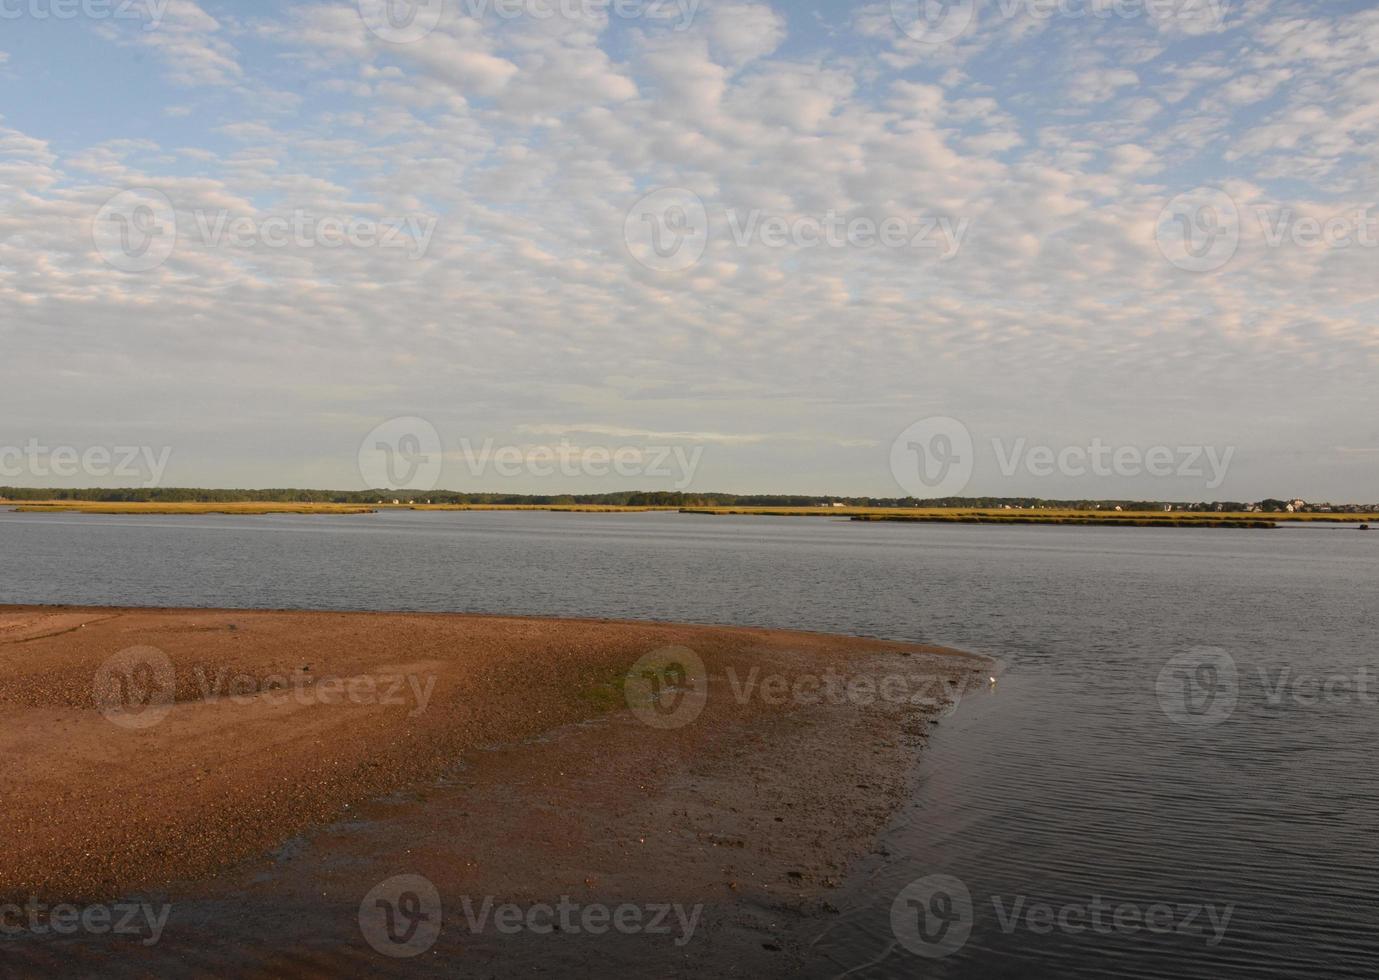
(1174, 775)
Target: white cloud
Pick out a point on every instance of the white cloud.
(191, 44)
(462, 62)
(528, 143)
(1100, 84)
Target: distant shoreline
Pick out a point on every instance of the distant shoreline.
(1119, 520)
(938, 515)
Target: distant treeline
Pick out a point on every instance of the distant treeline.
(170, 495)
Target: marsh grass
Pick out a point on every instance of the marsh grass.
(1105, 518)
(949, 515)
(606, 695)
(1087, 519)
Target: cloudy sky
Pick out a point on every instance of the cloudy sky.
(730, 246)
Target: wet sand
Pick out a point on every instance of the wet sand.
(496, 757)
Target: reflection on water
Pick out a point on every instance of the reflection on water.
(1083, 813)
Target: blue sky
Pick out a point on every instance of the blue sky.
(501, 282)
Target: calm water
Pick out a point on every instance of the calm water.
(1065, 790)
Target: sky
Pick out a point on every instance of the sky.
(1059, 248)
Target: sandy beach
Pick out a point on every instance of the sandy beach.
(278, 767)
